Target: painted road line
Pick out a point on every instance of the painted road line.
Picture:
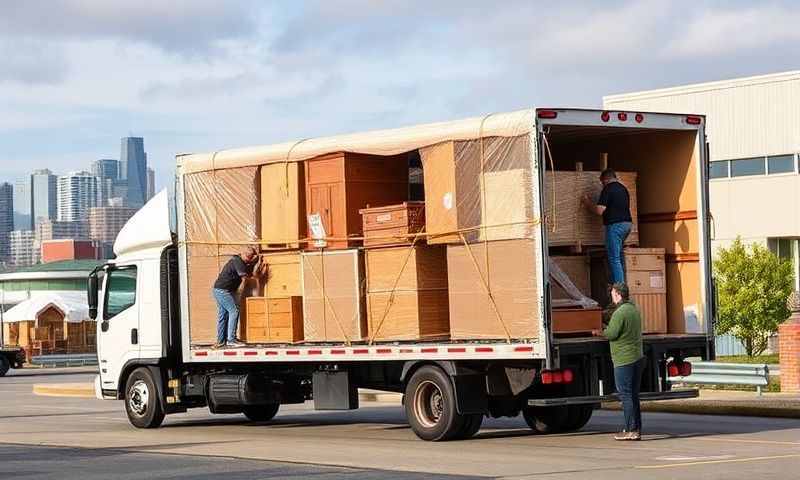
(714, 462)
(744, 440)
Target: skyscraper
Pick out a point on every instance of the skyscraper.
(104, 225)
(135, 160)
(45, 201)
(6, 218)
(22, 250)
(23, 203)
(106, 168)
(77, 193)
(151, 183)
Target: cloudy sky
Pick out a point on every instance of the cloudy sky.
(199, 75)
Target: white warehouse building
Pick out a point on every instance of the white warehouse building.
(753, 129)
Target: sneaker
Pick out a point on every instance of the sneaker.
(623, 435)
(635, 435)
(235, 343)
(217, 345)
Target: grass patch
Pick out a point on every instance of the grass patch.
(768, 359)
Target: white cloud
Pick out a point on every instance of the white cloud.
(715, 32)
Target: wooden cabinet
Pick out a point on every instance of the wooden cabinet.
(645, 273)
(283, 211)
(274, 320)
(339, 185)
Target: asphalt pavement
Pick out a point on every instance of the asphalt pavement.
(53, 437)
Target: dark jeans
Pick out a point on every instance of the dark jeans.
(628, 379)
(616, 233)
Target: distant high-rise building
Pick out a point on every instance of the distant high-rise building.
(56, 230)
(6, 218)
(23, 252)
(77, 193)
(23, 203)
(135, 160)
(151, 183)
(45, 196)
(105, 223)
(106, 168)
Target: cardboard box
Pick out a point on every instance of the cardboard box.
(283, 210)
(333, 297)
(393, 224)
(512, 280)
(577, 320)
(415, 279)
(647, 281)
(507, 205)
(569, 222)
(653, 309)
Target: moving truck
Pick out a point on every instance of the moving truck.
(154, 343)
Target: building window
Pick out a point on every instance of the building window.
(788, 249)
(780, 164)
(719, 169)
(747, 166)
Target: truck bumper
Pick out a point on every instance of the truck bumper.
(595, 399)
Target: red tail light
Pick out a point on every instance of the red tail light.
(693, 120)
(622, 116)
(568, 376)
(558, 376)
(639, 118)
(686, 369)
(549, 114)
(605, 116)
(547, 377)
(673, 370)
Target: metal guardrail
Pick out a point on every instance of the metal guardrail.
(714, 373)
(67, 360)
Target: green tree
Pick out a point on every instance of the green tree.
(753, 285)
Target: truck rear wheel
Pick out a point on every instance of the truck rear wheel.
(546, 420)
(141, 400)
(5, 365)
(431, 405)
(577, 417)
(261, 413)
(472, 424)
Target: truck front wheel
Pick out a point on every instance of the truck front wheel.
(261, 413)
(141, 400)
(5, 365)
(430, 405)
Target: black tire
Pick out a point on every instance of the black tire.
(546, 420)
(577, 417)
(141, 400)
(261, 413)
(431, 405)
(5, 366)
(472, 424)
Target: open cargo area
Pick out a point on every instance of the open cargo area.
(435, 233)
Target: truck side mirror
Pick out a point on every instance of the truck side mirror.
(92, 294)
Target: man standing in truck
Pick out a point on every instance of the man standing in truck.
(624, 333)
(226, 285)
(614, 206)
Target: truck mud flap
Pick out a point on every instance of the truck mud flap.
(597, 399)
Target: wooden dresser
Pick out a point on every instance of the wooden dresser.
(274, 320)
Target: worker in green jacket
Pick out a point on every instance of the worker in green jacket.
(624, 332)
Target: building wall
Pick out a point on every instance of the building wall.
(77, 193)
(135, 160)
(22, 248)
(67, 249)
(44, 196)
(23, 204)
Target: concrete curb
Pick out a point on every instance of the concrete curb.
(79, 390)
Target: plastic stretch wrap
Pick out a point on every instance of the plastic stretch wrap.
(574, 295)
(569, 222)
(333, 296)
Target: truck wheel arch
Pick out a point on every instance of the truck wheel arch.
(469, 384)
(151, 364)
